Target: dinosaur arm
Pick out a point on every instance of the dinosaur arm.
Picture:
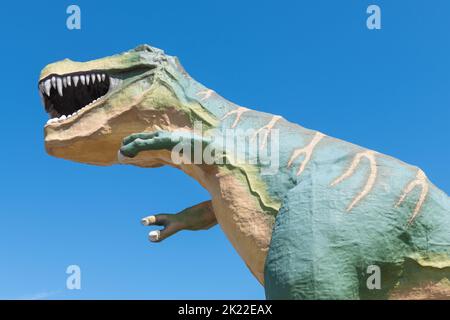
(198, 217)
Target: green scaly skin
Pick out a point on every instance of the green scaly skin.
(337, 207)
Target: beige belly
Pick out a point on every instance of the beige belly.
(247, 227)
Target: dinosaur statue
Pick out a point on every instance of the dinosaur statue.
(314, 228)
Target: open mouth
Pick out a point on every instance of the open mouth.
(65, 95)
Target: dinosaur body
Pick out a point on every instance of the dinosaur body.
(307, 230)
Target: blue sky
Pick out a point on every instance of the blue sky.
(313, 62)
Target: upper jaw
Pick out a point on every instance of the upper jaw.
(67, 95)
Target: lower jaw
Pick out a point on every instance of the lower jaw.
(63, 118)
(96, 149)
(69, 118)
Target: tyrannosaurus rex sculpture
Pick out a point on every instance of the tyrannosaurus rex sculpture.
(308, 230)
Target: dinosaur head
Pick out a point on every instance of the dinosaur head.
(93, 105)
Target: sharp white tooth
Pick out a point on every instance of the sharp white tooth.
(69, 116)
(75, 80)
(63, 117)
(48, 86)
(64, 80)
(83, 80)
(154, 235)
(74, 113)
(42, 97)
(54, 82)
(93, 78)
(99, 78)
(69, 81)
(60, 86)
(41, 93)
(88, 78)
(112, 82)
(103, 77)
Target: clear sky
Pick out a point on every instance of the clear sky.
(313, 62)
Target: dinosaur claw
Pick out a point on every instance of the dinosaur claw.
(121, 158)
(154, 235)
(148, 220)
(124, 153)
